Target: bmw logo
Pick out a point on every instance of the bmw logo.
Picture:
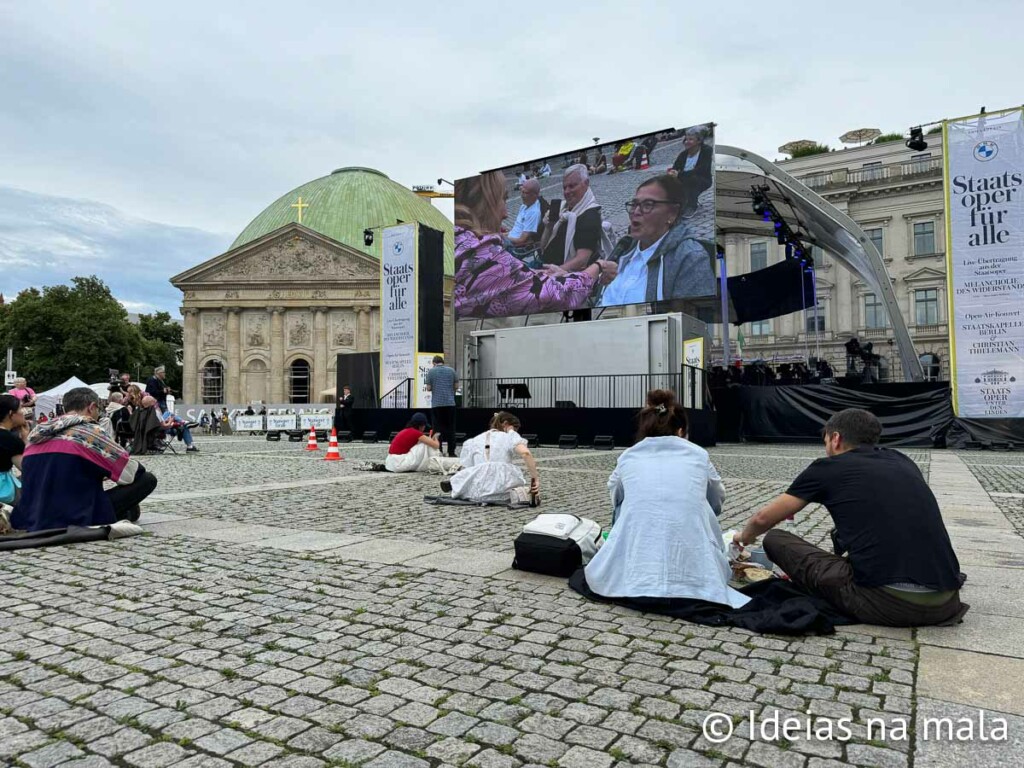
(985, 150)
(398, 249)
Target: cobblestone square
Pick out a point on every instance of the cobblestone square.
(286, 611)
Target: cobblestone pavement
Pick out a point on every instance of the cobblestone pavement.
(285, 611)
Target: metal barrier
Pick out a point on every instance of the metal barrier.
(612, 391)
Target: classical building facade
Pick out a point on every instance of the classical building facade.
(896, 195)
(266, 320)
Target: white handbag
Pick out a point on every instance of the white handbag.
(584, 531)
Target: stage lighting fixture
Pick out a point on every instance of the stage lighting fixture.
(789, 250)
(916, 141)
(367, 237)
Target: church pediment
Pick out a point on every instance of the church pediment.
(291, 254)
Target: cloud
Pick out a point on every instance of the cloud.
(47, 240)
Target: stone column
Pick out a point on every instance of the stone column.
(190, 357)
(276, 354)
(320, 361)
(233, 392)
(363, 338)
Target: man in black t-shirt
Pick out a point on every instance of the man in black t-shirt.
(900, 568)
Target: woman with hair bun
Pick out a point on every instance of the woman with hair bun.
(666, 493)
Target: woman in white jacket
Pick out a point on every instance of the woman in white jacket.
(666, 541)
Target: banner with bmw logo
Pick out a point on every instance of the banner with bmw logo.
(984, 182)
(398, 303)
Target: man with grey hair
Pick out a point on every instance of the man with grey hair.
(574, 242)
(156, 387)
(527, 223)
(64, 466)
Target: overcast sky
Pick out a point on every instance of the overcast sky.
(196, 115)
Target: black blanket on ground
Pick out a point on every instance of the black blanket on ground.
(54, 537)
(777, 607)
(449, 501)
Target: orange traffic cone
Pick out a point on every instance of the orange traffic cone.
(311, 444)
(644, 161)
(333, 454)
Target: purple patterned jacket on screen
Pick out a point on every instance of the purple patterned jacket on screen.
(491, 282)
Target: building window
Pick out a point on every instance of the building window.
(758, 256)
(875, 236)
(874, 312)
(809, 319)
(924, 238)
(761, 328)
(873, 171)
(920, 163)
(298, 382)
(926, 306)
(213, 383)
(932, 365)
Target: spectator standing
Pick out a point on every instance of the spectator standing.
(345, 403)
(440, 383)
(157, 388)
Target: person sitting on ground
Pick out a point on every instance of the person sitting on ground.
(600, 164)
(487, 473)
(665, 540)
(411, 450)
(900, 569)
(66, 462)
(13, 434)
(545, 170)
(175, 427)
(694, 167)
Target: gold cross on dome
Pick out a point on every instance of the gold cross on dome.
(300, 205)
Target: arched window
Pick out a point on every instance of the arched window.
(213, 383)
(298, 382)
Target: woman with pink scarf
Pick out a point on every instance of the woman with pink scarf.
(490, 281)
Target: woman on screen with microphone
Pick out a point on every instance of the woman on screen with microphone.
(490, 281)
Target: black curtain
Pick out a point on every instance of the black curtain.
(770, 292)
(430, 284)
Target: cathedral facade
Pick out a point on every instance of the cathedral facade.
(266, 320)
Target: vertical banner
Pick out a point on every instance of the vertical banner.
(984, 182)
(397, 311)
(424, 362)
(693, 381)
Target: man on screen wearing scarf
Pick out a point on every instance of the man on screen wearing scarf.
(575, 241)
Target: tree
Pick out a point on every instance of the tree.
(161, 340)
(78, 330)
(886, 137)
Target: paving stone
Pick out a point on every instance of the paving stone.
(397, 760)
(157, 756)
(354, 751)
(223, 741)
(583, 757)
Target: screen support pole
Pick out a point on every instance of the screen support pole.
(723, 281)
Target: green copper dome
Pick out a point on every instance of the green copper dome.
(345, 203)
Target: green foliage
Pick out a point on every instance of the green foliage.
(817, 149)
(888, 137)
(82, 330)
(936, 129)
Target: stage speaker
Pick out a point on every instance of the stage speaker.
(369, 437)
(345, 436)
(532, 441)
(274, 436)
(568, 441)
(296, 436)
(604, 442)
(564, 404)
(321, 435)
(393, 436)
(430, 283)
(460, 438)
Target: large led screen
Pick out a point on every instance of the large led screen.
(629, 222)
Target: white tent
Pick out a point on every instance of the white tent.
(47, 401)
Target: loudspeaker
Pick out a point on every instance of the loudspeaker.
(369, 437)
(568, 441)
(532, 441)
(604, 442)
(274, 436)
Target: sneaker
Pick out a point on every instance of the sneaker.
(191, 449)
(134, 514)
(446, 486)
